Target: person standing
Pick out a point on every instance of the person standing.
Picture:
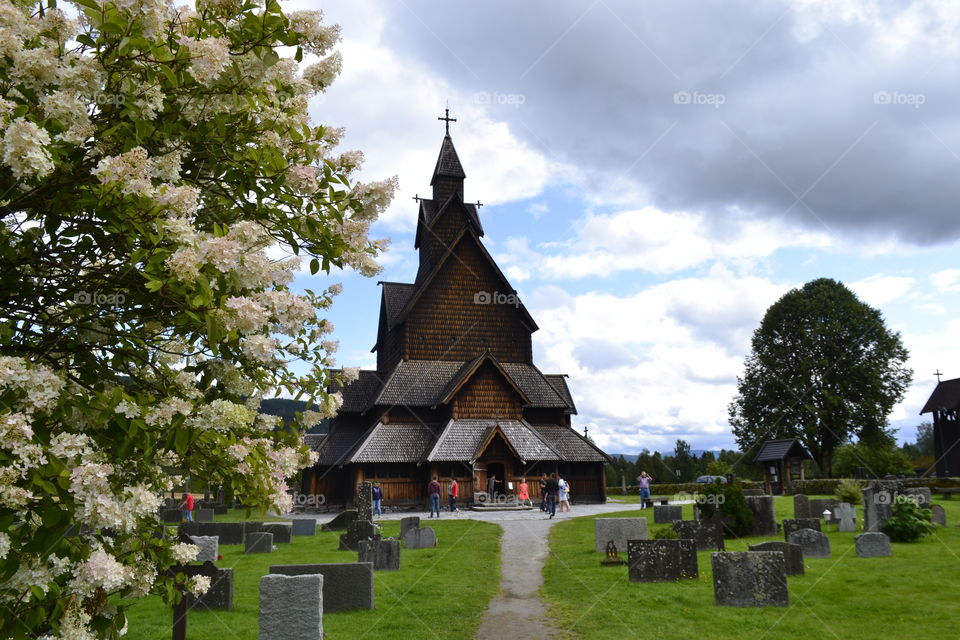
(433, 490)
(543, 492)
(188, 507)
(524, 493)
(564, 494)
(552, 489)
(377, 499)
(492, 487)
(644, 481)
(453, 492)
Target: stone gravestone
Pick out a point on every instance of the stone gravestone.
(706, 534)
(792, 555)
(878, 503)
(383, 554)
(303, 527)
(619, 530)
(346, 585)
(209, 547)
(341, 521)
(413, 522)
(661, 560)
(764, 519)
(291, 607)
(801, 506)
(356, 531)
(789, 526)
(282, 531)
(847, 515)
(814, 544)
(666, 514)
(203, 515)
(220, 594)
(258, 542)
(750, 579)
(365, 501)
(171, 515)
(873, 544)
(939, 515)
(921, 495)
(819, 505)
(422, 538)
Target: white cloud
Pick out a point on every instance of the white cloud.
(946, 281)
(879, 290)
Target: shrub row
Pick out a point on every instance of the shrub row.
(808, 487)
(673, 489)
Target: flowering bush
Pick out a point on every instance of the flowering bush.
(161, 181)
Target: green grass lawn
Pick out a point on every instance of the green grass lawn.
(438, 593)
(911, 595)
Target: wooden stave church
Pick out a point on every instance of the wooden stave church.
(455, 392)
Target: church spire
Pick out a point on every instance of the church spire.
(448, 175)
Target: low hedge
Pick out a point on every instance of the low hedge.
(674, 489)
(816, 487)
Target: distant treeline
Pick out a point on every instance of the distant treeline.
(683, 465)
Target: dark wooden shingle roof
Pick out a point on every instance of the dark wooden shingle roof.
(395, 298)
(946, 395)
(572, 446)
(448, 162)
(559, 382)
(396, 443)
(359, 394)
(336, 447)
(461, 440)
(773, 450)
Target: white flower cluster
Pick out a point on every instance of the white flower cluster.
(101, 570)
(130, 171)
(321, 75)
(317, 38)
(222, 415)
(98, 506)
(208, 57)
(24, 150)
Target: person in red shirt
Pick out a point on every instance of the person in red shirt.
(453, 492)
(188, 507)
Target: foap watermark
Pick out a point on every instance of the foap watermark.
(501, 99)
(309, 499)
(107, 98)
(99, 299)
(486, 297)
(715, 499)
(888, 498)
(700, 99)
(897, 98)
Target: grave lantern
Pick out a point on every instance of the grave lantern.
(782, 464)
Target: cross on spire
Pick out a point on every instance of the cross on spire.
(447, 119)
(938, 374)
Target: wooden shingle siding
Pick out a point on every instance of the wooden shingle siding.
(487, 394)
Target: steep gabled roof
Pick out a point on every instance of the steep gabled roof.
(358, 395)
(396, 442)
(394, 299)
(536, 386)
(559, 383)
(449, 254)
(571, 445)
(946, 395)
(462, 440)
(470, 368)
(773, 450)
(417, 383)
(448, 162)
(336, 446)
(430, 212)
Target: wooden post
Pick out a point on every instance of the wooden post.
(180, 616)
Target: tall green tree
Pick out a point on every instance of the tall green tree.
(823, 368)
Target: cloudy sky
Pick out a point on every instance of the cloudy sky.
(655, 175)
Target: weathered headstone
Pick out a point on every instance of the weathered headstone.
(619, 530)
(764, 519)
(220, 509)
(383, 554)
(228, 532)
(792, 554)
(872, 544)
(171, 515)
(412, 522)
(304, 527)
(209, 547)
(346, 585)
(920, 495)
(801, 506)
(706, 534)
(258, 542)
(814, 544)
(291, 607)
(819, 505)
(847, 515)
(358, 530)
(939, 515)
(365, 501)
(422, 538)
(282, 531)
(203, 515)
(341, 521)
(750, 579)
(220, 594)
(789, 526)
(661, 560)
(666, 514)
(878, 500)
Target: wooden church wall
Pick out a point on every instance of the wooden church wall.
(450, 323)
(487, 395)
